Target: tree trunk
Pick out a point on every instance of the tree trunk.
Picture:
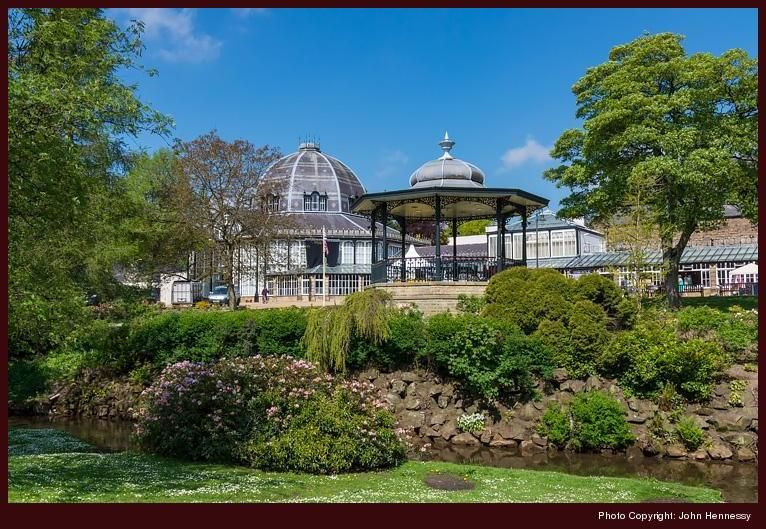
(671, 258)
(231, 292)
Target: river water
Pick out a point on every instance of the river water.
(737, 481)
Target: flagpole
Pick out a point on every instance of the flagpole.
(324, 267)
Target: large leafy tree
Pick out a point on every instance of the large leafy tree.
(223, 196)
(153, 235)
(684, 125)
(68, 116)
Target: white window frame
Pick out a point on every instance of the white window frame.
(347, 252)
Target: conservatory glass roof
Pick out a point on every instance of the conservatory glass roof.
(692, 254)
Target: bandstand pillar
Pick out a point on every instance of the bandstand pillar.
(373, 250)
(384, 220)
(438, 253)
(403, 224)
(454, 248)
(500, 237)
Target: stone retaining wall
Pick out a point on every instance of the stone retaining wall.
(90, 396)
(431, 297)
(427, 409)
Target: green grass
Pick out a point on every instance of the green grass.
(50, 466)
(722, 303)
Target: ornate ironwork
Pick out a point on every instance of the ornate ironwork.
(426, 269)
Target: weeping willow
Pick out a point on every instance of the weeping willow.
(329, 330)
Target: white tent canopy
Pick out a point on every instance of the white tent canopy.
(748, 269)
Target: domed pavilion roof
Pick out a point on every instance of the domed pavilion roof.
(310, 171)
(447, 171)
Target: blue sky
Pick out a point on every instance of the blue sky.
(380, 87)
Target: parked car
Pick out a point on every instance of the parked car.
(220, 295)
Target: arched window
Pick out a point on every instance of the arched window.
(347, 252)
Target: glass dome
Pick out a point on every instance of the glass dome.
(309, 176)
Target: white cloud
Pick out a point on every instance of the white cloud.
(247, 11)
(173, 33)
(530, 151)
(391, 164)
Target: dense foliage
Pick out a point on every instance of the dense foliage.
(69, 114)
(272, 412)
(736, 330)
(526, 297)
(406, 339)
(208, 335)
(594, 420)
(491, 359)
(329, 434)
(650, 356)
(571, 317)
(690, 433)
(554, 424)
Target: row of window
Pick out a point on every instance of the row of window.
(561, 243)
(338, 285)
(297, 254)
(690, 274)
(311, 202)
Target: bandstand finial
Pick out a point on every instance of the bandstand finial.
(446, 144)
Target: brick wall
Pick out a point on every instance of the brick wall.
(734, 231)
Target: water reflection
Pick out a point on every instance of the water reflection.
(112, 436)
(737, 481)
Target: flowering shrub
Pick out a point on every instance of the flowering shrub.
(473, 423)
(240, 409)
(736, 387)
(329, 434)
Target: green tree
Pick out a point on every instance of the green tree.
(68, 116)
(636, 234)
(473, 227)
(153, 236)
(687, 124)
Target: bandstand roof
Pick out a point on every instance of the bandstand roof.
(456, 185)
(456, 202)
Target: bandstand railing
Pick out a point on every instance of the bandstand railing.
(427, 269)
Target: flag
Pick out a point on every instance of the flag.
(325, 249)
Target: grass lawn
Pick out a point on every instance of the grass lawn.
(51, 466)
(722, 302)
